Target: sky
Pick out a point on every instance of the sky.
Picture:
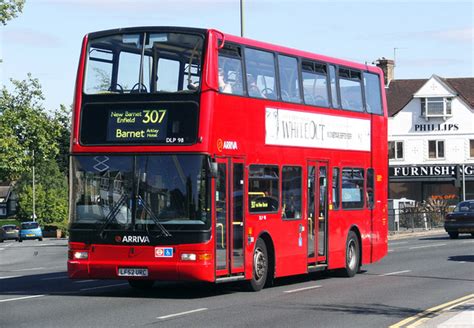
(426, 37)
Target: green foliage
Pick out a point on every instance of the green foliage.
(32, 137)
(51, 192)
(27, 128)
(9, 9)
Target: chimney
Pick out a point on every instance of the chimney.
(388, 68)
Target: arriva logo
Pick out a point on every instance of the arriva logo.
(134, 239)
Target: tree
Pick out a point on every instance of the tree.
(9, 9)
(26, 127)
(51, 195)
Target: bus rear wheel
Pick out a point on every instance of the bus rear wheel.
(141, 284)
(260, 266)
(352, 255)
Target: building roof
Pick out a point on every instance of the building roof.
(4, 193)
(464, 87)
(400, 92)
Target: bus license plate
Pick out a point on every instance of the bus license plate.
(133, 272)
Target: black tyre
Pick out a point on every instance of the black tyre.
(20, 240)
(1, 240)
(260, 266)
(40, 239)
(141, 284)
(352, 255)
(453, 235)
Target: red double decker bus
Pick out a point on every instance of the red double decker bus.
(201, 156)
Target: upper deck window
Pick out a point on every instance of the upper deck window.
(351, 89)
(289, 79)
(315, 86)
(230, 70)
(144, 63)
(373, 97)
(261, 77)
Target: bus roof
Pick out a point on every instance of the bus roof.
(240, 40)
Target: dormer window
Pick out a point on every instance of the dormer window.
(436, 107)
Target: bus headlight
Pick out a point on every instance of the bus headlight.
(81, 255)
(188, 257)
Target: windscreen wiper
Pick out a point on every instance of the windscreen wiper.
(163, 231)
(111, 215)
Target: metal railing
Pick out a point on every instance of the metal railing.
(415, 218)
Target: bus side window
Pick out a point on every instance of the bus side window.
(289, 79)
(370, 188)
(351, 89)
(315, 87)
(373, 97)
(264, 186)
(352, 188)
(334, 89)
(230, 70)
(291, 192)
(261, 77)
(335, 188)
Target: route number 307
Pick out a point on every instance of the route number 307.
(154, 116)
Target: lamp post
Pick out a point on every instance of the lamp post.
(242, 18)
(34, 207)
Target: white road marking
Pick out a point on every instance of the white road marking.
(54, 278)
(100, 287)
(394, 273)
(30, 269)
(301, 289)
(20, 298)
(427, 246)
(181, 313)
(399, 243)
(8, 277)
(83, 281)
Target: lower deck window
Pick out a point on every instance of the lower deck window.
(264, 188)
(352, 188)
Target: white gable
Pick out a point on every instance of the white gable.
(434, 87)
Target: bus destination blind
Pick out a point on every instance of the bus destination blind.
(135, 125)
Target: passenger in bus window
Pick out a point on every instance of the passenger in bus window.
(223, 85)
(254, 90)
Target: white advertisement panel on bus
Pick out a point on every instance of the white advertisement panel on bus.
(293, 128)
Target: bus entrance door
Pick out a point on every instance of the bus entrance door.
(317, 192)
(229, 220)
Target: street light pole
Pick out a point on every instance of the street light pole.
(242, 18)
(34, 209)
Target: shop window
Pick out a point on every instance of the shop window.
(471, 148)
(435, 149)
(264, 188)
(291, 192)
(395, 149)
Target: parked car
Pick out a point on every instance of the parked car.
(460, 220)
(8, 232)
(30, 230)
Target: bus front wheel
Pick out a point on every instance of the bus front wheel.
(352, 255)
(260, 266)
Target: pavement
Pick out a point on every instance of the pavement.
(457, 313)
